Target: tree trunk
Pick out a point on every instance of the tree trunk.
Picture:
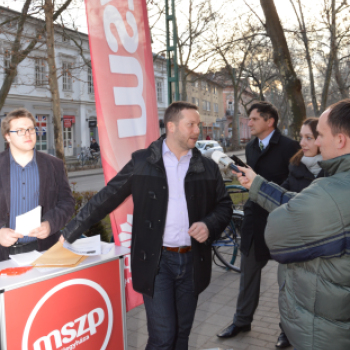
(235, 117)
(183, 76)
(344, 91)
(329, 69)
(284, 63)
(48, 7)
(235, 121)
(308, 59)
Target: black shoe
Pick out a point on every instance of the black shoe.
(282, 341)
(233, 330)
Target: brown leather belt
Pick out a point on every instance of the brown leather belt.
(181, 250)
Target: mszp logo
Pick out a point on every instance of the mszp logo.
(79, 330)
(71, 332)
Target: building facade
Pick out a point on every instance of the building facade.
(30, 89)
(208, 96)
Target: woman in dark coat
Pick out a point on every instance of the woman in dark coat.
(303, 169)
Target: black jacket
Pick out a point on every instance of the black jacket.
(55, 197)
(144, 178)
(271, 163)
(299, 177)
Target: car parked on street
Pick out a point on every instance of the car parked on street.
(207, 147)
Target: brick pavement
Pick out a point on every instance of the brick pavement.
(215, 310)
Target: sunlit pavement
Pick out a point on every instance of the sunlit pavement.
(215, 311)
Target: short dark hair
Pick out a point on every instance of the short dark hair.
(267, 110)
(339, 117)
(173, 112)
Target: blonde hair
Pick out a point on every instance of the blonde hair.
(15, 114)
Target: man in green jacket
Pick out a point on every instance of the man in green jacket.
(309, 233)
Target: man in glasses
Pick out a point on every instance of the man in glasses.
(29, 178)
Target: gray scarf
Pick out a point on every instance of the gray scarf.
(312, 164)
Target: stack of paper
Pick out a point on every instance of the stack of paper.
(89, 246)
(25, 259)
(57, 256)
(85, 246)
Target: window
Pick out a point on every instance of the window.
(208, 106)
(216, 108)
(67, 76)
(159, 88)
(208, 88)
(41, 132)
(203, 85)
(90, 81)
(7, 63)
(215, 90)
(39, 72)
(204, 105)
(65, 38)
(195, 101)
(12, 25)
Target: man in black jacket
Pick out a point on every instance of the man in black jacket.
(180, 207)
(268, 155)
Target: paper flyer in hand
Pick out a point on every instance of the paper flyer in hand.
(28, 221)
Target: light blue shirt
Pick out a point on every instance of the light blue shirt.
(177, 223)
(25, 186)
(267, 139)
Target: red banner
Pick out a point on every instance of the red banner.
(126, 107)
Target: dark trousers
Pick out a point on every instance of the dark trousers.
(170, 312)
(249, 288)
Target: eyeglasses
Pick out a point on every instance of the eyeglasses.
(22, 132)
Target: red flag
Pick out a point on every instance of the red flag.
(126, 107)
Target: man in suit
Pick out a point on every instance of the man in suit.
(29, 178)
(268, 154)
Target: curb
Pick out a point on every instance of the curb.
(88, 172)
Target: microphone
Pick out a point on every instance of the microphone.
(221, 158)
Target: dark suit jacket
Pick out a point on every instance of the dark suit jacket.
(271, 163)
(55, 197)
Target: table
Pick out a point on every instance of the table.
(81, 307)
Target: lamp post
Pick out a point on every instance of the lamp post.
(171, 48)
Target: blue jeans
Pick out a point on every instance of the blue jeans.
(170, 312)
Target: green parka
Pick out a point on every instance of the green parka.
(309, 233)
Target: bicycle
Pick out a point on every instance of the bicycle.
(227, 246)
(86, 156)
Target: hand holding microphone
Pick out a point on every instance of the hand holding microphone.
(245, 178)
(223, 159)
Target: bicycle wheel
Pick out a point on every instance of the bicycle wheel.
(82, 159)
(227, 247)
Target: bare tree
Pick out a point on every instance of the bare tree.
(56, 106)
(20, 48)
(283, 61)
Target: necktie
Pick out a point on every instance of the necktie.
(261, 145)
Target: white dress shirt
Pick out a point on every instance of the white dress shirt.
(267, 139)
(177, 223)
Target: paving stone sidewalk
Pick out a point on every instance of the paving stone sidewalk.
(215, 310)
